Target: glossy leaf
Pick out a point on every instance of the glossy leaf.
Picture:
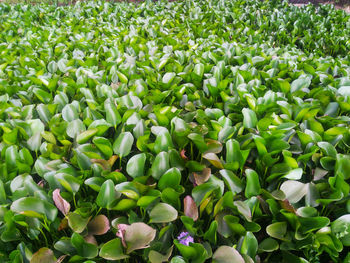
(163, 213)
(136, 165)
(28, 204)
(225, 254)
(122, 146)
(113, 250)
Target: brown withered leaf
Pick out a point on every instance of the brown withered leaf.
(105, 165)
(183, 155)
(63, 224)
(60, 203)
(202, 177)
(285, 204)
(99, 225)
(190, 208)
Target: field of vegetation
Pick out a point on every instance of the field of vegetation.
(188, 131)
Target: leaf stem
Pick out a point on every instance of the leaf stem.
(74, 201)
(42, 232)
(191, 150)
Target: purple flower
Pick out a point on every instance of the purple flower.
(185, 238)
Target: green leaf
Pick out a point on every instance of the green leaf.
(233, 152)
(199, 70)
(210, 234)
(249, 118)
(34, 142)
(244, 210)
(163, 142)
(138, 236)
(277, 230)
(177, 259)
(136, 165)
(95, 183)
(43, 255)
(86, 135)
(342, 165)
(84, 249)
(101, 125)
(112, 115)
(104, 146)
(232, 181)
(76, 222)
(188, 252)
(226, 254)
(170, 178)
(33, 204)
(52, 67)
(122, 145)
(69, 113)
(106, 195)
(160, 165)
(75, 127)
(69, 182)
(341, 229)
(168, 78)
(309, 224)
(268, 245)
(125, 204)
(294, 190)
(156, 257)
(113, 250)
(163, 213)
(198, 141)
(249, 245)
(42, 95)
(295, 174)
(328, 149)
(253, 184)
(2, 193)
(301, 83)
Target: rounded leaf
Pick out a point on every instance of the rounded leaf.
(122, 146)
(136, 165)
(277, 230)
(77, 223)
(43, 255)
(75, 127)
(99, 225)
(69, 113)
(113, 250)
(107, 194)
(160, 165)
(226, 254)
(36, 205)
(138, 236)
(341, 229)
(249, 118)
(171, 178)
(163, 213)
(294, 190)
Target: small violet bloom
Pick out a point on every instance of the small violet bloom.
(185, 238)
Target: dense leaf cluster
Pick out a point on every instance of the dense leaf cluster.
(189, 131)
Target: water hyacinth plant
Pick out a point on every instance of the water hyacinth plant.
(188, 131)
